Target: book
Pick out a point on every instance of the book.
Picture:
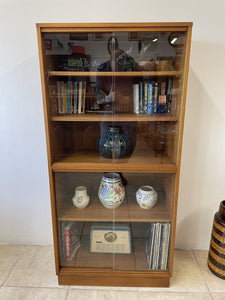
(83, 96)
(80, 97)
(136, 98)
(75, 97)
(165, 247)
(150, 244)
(141, 98)
(162, 98)
(60, 95)
(65, 97)
(70, 237)
(150, 98)
(68, 96)
(155, 99)
(145, 92)
(169, 86)
(157, 245)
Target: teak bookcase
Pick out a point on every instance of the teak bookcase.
(140, 71)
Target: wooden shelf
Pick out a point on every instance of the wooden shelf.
(117, 74)
(122, 117)
(139, 161)
(129, 211)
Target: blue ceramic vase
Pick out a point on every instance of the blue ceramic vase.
(114, 143)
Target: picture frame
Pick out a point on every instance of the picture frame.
(77, 36)
(98, 36)
(133, 36)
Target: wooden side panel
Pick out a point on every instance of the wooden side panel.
(49, 146)
(180, 139)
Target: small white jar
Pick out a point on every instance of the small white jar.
(146, 197)
(81, 198)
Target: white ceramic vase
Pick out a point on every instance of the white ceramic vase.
(81, 198)
(146, 197)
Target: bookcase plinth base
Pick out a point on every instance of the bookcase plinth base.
(68, 276)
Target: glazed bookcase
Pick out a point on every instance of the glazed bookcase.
(151, 53)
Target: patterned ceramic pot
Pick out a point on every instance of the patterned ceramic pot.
(111, 190)
(146, 197)
(81, 198)
(216, 258)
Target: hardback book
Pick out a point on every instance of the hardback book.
(60, 94)
(81, 96)
(70, 236)
(145, 86)
(162, 99)
(150, 98)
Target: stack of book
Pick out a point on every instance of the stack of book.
(153, 97)
(157, 245)
(71, 97)
(70, 237)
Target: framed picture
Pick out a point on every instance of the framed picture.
(79, 36)
(132, 36)
(48, 44)
(98, 36)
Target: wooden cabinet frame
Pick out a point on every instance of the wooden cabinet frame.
(77, 162)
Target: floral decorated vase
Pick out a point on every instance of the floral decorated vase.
(146, 197)
(81, 198)
(111, 190)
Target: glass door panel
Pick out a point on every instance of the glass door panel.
(113, 101)
(117, 238)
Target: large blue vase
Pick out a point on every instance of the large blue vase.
(114, 143)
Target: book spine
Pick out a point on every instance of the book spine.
(71, 232)
(71, 97)
(141, 100)
(136, 98)
(169, 93)
(75, 98)
(150, 98)
(65, 97)
(79, 97)
(145, 85)
(157, 246)
(60, 104)
(162, 99)
(84, 96)
(155, 99)
(68, 97)
(167, 242)
(67, 243)
(63, 242)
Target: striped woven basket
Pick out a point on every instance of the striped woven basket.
(216, 257)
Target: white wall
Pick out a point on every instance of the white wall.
(24, 192)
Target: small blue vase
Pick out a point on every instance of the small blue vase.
(114, 143)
